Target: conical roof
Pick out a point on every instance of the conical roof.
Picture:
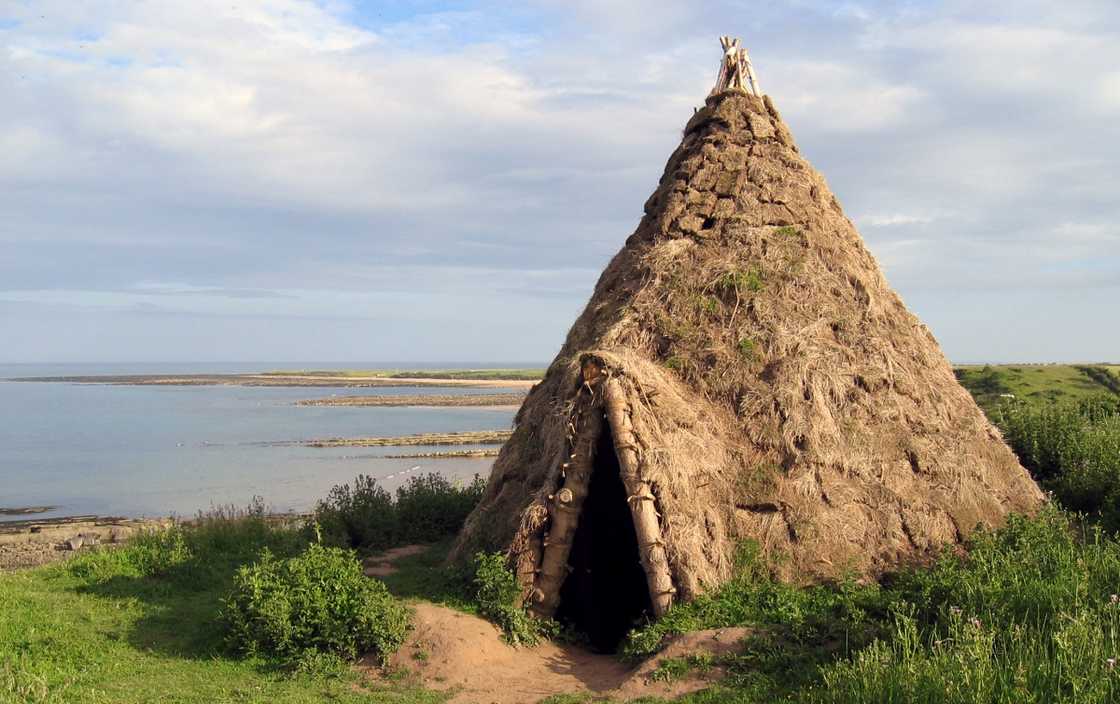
(776, 388)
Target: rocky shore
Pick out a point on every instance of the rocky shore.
(465, 400)
(481, 437)
(32, 543)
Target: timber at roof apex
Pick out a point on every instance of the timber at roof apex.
(736, 71)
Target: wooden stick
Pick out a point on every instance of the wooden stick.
(647, 526)
(755, 87)
(565, 508)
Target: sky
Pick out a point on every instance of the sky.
(243, 180)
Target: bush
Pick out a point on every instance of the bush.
(430, 507)
(367, 518)
(497, 594)
(360, 517)
(1073, 449)
(318, 601)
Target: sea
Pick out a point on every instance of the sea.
(117, 450)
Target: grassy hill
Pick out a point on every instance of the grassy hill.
(1055, 382)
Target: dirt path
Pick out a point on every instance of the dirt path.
(464, 655)
(450, 651)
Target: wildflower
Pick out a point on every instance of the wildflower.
(1114, 599)
(1111, 663)
(955, 610)
(974, 622)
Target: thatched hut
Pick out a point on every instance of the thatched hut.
(742, 371)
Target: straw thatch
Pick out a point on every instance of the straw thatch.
(776, 388)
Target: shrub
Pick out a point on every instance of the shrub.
(431, 507)
(1073, 449)
(318, 601)
(366, 517)
(358, 517)
(497, 594)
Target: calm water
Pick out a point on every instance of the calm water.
(142, 450)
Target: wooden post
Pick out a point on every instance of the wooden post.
(565, 507)
(647, 524)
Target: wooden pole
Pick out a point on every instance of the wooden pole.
(756, 89)
(647, 524)
(565, 507)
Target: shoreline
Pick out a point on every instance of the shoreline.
(505, 401)
(446, 455)
(480, 437)
(33, 543)
(281, 380)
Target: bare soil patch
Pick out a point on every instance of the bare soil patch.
(465, 655)
(455, 652)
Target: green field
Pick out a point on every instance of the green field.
(1033, 382)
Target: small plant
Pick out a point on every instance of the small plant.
(497, 594)
(676, 363)
(746, 349)
(318, 601)
(673, 669)
(739, 282)
(787, 231)
(706, 304)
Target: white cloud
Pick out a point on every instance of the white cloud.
(894, 219)
(285, 146)
(833, 97)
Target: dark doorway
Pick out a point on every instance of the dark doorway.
(606, 592)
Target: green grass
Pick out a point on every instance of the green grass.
(116, 626)
(146, 622)
(1033, 382)
(1028, 615)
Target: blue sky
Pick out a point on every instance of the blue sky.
(362, 181)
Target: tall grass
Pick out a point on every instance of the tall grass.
(197, 555)
(1028, 613)
(1073, 449)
